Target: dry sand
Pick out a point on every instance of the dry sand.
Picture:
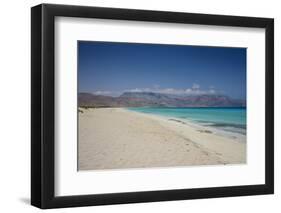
(115, 138)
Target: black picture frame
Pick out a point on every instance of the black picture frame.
(43, 102)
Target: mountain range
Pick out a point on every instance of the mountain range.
(151, 99)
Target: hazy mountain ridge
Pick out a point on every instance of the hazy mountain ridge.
(151, 99)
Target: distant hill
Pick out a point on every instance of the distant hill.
(151, 99)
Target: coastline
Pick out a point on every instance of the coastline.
(200, 127)
(116, 138)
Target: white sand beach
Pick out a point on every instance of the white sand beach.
(116, 138)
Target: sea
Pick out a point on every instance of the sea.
(227, 119)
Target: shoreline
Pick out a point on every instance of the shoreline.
(208, 129)
(119, 138)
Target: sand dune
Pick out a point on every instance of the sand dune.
(115, 138)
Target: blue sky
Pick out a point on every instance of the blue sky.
(110, 68)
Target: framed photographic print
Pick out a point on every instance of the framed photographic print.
(139, 106)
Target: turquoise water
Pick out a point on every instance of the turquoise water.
(232, 119)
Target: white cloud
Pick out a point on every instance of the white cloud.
(107, 93)
(135, 90)
(195, 86)
(102, 92)
(195, 89)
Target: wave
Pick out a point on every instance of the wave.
(226, 119)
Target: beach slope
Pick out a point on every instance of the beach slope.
(116, 138)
